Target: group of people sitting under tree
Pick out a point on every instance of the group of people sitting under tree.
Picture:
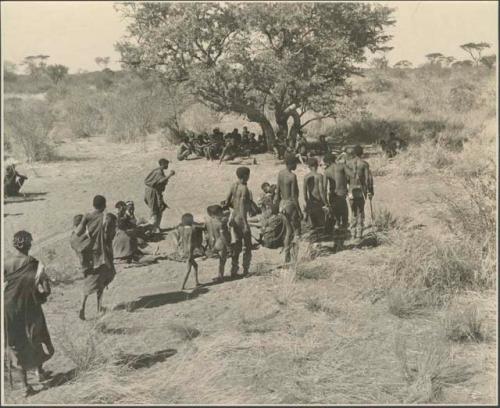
(301, 147)
(100, 237)
(220, 146)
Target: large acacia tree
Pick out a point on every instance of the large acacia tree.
(271, 62)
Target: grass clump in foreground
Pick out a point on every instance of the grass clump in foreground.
(405, 303)
(463, 324)
(430, 369)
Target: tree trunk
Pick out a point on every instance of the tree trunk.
(282, 122)
(255, 115)
(294, 131)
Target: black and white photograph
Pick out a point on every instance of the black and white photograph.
(249, 203)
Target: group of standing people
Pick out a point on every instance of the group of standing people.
(99, 237)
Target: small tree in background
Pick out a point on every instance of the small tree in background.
(102, 62)
(35, 64)
(9, 71)
(57, 72)
(403, 64)
(463, 64)
(475, 50)
(435, 58)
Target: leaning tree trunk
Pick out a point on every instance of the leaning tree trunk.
(255, 115)
(282, 122)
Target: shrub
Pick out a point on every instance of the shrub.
(405, 303)
(423, 261)
(463, 324)
(462, 98)
(317, 304)
(83, 113)
(27, 126)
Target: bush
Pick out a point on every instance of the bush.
(27, 126)
(462, 98)
(425, 262)
(83, 114)
(405, 303)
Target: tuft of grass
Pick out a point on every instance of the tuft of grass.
(430, 370)
(184, 332)
(317, 304)
(285, 286)
(405, 303)
(424, 261)
(87, 347)
(315, 272)
(463, 324)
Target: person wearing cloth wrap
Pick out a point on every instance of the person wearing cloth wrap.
(156, 182)
(97, 258)
(26, 288)
(287, 197)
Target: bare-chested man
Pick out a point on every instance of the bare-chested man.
(314, 195)
(335, 183)
(239, 198)
(287, 197)
(360, 183)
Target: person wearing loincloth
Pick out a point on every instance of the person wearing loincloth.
(287, 198)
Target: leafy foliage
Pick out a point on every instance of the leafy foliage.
(256, 59)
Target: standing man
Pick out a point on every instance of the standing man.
(240, 198)
(314, 195)
(287, 197)
(26, 288)
(360, 183)
(156, 182)
(335, 183)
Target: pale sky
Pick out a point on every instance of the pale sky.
(74, 33)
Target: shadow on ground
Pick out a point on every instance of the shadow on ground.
(24, 198)
(160, 299)
(146, 360)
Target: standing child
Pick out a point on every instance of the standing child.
(218, 236)
(190, 240)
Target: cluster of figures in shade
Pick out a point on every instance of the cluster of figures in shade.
(100, 238)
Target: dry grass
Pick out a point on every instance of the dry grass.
(429, 369)
(464, 324)
(321, 304)
(405, 303)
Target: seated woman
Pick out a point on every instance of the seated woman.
(13, 181)
(125, 243)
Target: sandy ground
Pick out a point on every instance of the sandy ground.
(249, 346)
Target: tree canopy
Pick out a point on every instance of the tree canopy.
(270, 62)
(475, 50)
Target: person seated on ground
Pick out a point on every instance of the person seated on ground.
(230, 151)
(323, 145)
(125, 244)
(266, 200)
(218, 236)
(140, 229)
(26, 289)
(279, 149)
(185, 149)
(301, 148)
(12, 181)
(190, 244)
(252, 143)
(199, 145)
(314, 195)
(275, 230)
(237, 137)
(394, 145)
(245, 133)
